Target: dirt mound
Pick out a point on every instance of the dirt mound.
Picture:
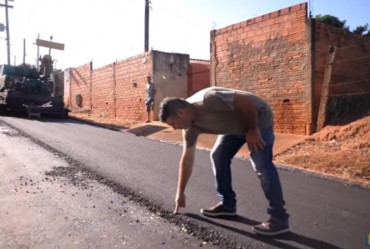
(343, 151)
(357, 132)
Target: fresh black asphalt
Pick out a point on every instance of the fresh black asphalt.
(324, 213)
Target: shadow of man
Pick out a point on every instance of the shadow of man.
(276, 241)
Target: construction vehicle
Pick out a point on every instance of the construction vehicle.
(31, 90)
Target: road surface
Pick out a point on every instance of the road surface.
(324, 213)
(45, 202)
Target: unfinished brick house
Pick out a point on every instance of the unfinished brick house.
(282, 57)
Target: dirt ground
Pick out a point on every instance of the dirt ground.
(342, 151)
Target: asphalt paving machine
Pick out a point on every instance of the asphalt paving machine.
(31, 90)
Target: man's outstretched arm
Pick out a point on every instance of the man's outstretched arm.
(185, 170)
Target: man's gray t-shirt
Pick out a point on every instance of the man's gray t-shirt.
(216, 114)
(150, 90)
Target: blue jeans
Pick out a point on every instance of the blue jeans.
(222, 153)
(149, 102)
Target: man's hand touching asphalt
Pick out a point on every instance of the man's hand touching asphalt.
(180, 202)
(254, 140)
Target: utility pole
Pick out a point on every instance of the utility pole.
(146, 45)
(38, 52)
(310, 8)
(7, 27)
(24, 51)
(51, 38)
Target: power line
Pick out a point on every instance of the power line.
(354, 59)
(353, 46)
(334, 84)
(183, 19)
(349, 94)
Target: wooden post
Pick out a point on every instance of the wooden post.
(325, 89)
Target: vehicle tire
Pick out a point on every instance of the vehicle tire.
(66, 113)
(2, 109)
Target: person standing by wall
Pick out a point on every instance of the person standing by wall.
(150, 93)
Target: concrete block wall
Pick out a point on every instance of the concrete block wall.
(270, 56)
(169, 76)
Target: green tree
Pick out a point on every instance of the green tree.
(332, 20)
(362, 30)
(336, 22)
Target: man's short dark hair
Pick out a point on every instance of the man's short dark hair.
(169, 107)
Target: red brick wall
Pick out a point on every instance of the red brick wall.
(112, 89)
(351, 68)
(102, 91)
(80, 84)
(131, 100)
(270, 56)
(119, 89)
(198, 76)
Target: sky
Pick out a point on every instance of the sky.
(106, 31)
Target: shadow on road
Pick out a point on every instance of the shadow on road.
(293, 237)
(146, 130)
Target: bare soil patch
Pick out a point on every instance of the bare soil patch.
(338, 150)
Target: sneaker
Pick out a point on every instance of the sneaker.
(219, 210)
(271, 228)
